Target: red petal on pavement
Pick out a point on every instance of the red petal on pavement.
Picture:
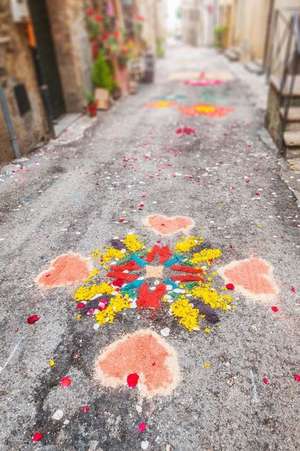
(37, 437)
(85, 409)
(142, 427)
(293, 290)
(230, 286)
(132, 380)
(80, 305)
(297, 377)
(266, 380)
(33, 319)
(65, 381)
(275, 309)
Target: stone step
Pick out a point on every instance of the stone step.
(294, 165)
(232, 54)
(275, 81)
(292, 138)
(254, 67)
(293, 114)
(293, 127)
(292, 153)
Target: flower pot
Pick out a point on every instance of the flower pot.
(92, 109)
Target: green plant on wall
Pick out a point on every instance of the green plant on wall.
(160, 48)
(102, 74)
(219, 33)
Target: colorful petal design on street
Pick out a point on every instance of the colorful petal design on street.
(169, 225)
(144, 355)
(157, 278)
(253, 277)
(161, 104)
(203, 82)
(67, 269)
(205, 110)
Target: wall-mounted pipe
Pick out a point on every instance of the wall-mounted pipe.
(9, 124)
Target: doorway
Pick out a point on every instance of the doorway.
(45, 61)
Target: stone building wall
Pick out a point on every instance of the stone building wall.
(16, 67)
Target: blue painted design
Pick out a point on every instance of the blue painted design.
(172, 283)
(172, 261)
(139, 260)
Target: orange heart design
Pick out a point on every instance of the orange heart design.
(164, 225)
(67, 269)
(253, 277)
(145, 354)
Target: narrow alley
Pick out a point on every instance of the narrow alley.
(149, 276)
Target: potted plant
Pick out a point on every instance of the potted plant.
(219, 32)
(91, 104)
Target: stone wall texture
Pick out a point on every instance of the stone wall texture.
(16, 67)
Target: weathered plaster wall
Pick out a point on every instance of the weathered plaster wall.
(16, 66)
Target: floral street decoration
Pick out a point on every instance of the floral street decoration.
(128, 275)
(201, 109)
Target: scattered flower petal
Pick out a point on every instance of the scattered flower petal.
(266, 380)
(132, 380)
(65, 381)
(206, 365)
(142, 427)
(58, 415)
(297, 377)
(230, 286)
(165, 332)
(275, 309)
(33, 319)
(37, 437)
(51, 363)
(145, 445)
(85, 409)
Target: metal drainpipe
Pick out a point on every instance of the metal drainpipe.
(9, 124)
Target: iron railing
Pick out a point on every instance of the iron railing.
(284, 57)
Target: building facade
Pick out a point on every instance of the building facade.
(44, 67)
(198, 18)
(248, 25)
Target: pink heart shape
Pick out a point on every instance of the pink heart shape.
(67, 269)
(165, 225)
(143, 354)
(253, 277)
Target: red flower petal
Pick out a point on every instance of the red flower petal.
(150, 299)
(32, 319)
(297, 377)
(85, 409)
(80, 305)
(293, 290)
(266, 380)
(118, 283)
(65, 381)
(275, 309)
(37, 437)
(230, 286)
(132, 380)
(142, 427)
